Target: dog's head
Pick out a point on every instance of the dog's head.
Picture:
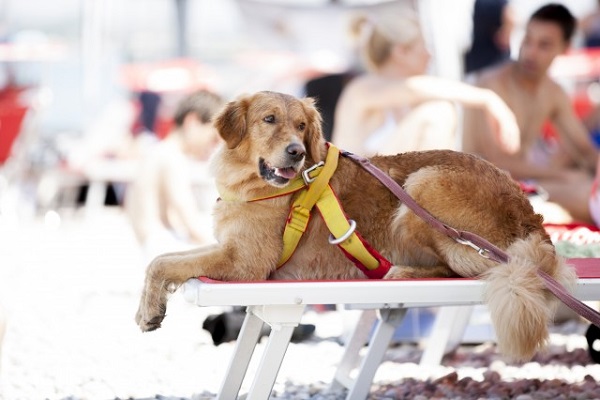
(278, 134)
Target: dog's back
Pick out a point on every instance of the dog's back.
(466, 193)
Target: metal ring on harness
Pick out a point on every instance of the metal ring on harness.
(345, 236)
(306, 172)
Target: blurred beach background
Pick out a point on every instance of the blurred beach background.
(72, 73)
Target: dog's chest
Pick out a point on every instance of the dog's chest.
(247, 219)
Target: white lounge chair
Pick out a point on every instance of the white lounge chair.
(282, 304)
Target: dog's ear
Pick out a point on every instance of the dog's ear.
(231, 121)
(314, 141)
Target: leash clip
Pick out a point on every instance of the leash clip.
(345, 236)
(480, 250)
(306, 172)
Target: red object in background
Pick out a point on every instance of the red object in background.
(167, 79)
(581, 66)
(582, 105)
(576, 233)
(12, 112)
(161, 127)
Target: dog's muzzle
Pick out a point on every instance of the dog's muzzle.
(280, 175)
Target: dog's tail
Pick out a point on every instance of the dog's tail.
(520, 306)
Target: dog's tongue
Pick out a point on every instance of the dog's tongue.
(287, 173)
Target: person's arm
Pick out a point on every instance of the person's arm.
(521, 169)
(479, 139)
(573, 134)
(387, 93)
(181, 200)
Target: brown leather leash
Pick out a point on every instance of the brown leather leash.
(483, 247)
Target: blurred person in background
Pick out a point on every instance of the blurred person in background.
(395, 106)
(165, 212)
(590, 28)
(493, 22)
(566, 172)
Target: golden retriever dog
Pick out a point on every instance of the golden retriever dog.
(270, 138)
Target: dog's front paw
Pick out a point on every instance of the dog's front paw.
(150, 318)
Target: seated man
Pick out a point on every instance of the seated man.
(163, 208)
(567, 173)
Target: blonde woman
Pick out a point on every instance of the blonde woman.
(396, 107)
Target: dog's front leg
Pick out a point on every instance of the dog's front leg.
(169, 271)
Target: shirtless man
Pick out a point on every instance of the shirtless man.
(161, 203)
(535, 98)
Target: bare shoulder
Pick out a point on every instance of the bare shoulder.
(354, 97)
(555, 91)
(494, 77)
(361, 84)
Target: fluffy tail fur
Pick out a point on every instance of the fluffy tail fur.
(520, 307)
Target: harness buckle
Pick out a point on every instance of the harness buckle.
(306, 172)
(480, 250)
(345, 236)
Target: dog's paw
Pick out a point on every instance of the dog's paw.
(151, 325)
(148, 321)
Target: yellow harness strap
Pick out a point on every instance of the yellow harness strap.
(299, 216)
(313, 189)
(343, 231)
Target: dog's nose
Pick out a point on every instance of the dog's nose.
(296, 151)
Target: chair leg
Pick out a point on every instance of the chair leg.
(389, 319)
(446, 334)
(270, 363)
(242, 354)
(283, 320)
(351, 357)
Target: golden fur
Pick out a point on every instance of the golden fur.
(270, 137)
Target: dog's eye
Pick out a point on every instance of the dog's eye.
(269, 119)
(302, 126)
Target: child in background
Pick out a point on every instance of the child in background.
(165, 212)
